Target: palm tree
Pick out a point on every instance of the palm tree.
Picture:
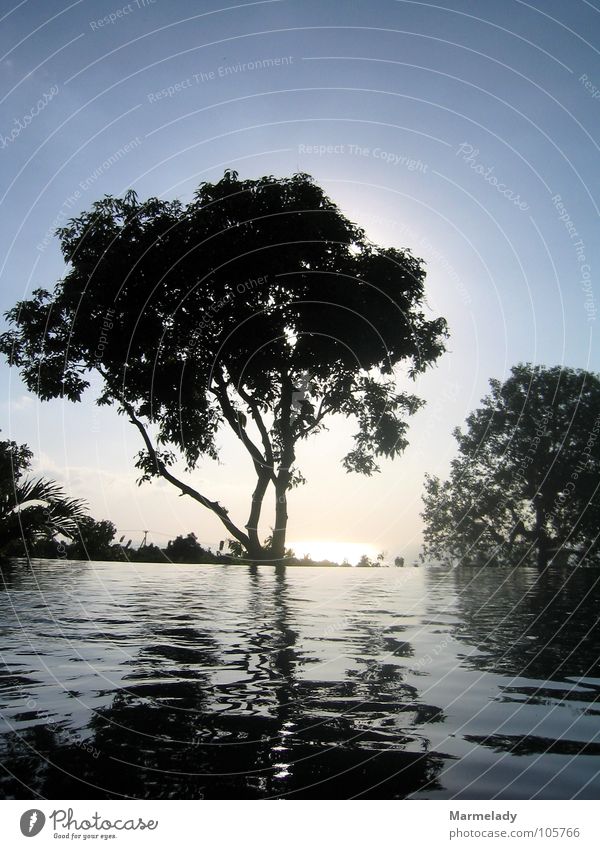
(32, 508)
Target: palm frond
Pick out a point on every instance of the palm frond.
(40, 489)
(42, 506)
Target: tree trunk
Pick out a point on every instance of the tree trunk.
(284, 475)
(258, 554)
(281, 519)
(252, 524)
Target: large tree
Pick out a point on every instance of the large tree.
(258, 306)
(31, 509)
(525, 483)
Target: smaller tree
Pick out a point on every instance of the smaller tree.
(94, 540)
(149, 553)
(527, 476)
(31, 509)
(365, 560)
(186, 550)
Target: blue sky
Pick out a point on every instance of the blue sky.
(467, 131)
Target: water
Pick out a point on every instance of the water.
(238, 682)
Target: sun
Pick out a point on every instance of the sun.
(334, 550)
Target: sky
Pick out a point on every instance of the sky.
(465, 131)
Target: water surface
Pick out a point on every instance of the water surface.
(135, 680)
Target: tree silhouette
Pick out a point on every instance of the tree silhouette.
(258, 306)
(31, 509)
(186, 549)
(94, 540)
(526, 477)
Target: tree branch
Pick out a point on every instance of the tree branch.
(321, 413)
(482, 523)
(260, 462)
(185, 489)
(264, 435)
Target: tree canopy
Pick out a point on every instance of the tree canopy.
(525, 481)
(94, 540)
(258, 306)
(186, 550)
(31, 509)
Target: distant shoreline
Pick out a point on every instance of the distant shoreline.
(314, 565)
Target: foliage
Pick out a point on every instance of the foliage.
(149, 554)
(31, 509)
(525, 481)
(94, 540)
(258, 306)
(236, 549)
(186, 550)
(365, 560)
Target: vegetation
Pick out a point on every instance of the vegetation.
(258, 307)
(187, 550)
(31, 509)
(94, 540)
(380, 560)
(525, 481)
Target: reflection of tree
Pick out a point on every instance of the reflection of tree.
(531, 745)
(523, 623)
(543, 631)
(177, 730)
(340, 738)
(142, 745)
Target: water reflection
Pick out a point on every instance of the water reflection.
(227, 682)
(526, 663)
(209, 687)
(529, 624)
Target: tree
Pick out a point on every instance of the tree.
(31, 509)
(150, 553)
(365, 560)
(258, 306)
(526, 477)
(185, 550)
(94, 540)
(235, 547)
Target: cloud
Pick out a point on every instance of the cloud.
(20, 403)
